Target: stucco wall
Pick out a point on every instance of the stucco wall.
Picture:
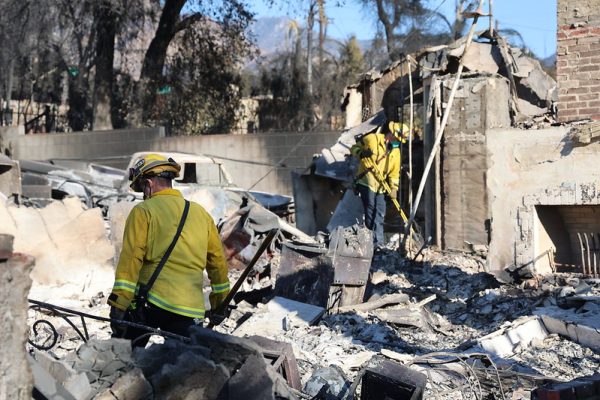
(16, 381)
(529, 168)
(481, 103)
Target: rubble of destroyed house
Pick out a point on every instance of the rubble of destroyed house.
(497, 298)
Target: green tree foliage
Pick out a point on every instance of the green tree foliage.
(336, 72)
(220, 20)
(110, 58)
(201, 90)
(284, 80)
(352, 61)
(306, 85)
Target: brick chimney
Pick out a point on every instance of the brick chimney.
(578, 59)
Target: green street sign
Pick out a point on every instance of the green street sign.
(164, 90)
(73, 71)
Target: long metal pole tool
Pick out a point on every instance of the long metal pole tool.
(372, 168)
(438, 139)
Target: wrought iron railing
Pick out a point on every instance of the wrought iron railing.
(47, 341)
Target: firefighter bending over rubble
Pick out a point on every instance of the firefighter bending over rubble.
(379, 155)
(167, 244)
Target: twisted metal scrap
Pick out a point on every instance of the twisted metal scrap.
(66, 314)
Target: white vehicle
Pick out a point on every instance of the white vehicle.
(198, 170)
(195, 170)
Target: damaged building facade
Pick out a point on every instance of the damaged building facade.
(509, 179)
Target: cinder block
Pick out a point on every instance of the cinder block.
(132, 385)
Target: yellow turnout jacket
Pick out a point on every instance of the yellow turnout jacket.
(149, 230)
(388, 165)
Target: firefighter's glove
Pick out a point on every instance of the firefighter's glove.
(394, 194)
(218, 318)
(393, 145)
(366, 153)
(118, 330)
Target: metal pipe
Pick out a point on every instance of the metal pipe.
(438, 139)
(156, 331)
(491, 6)
(263, 246)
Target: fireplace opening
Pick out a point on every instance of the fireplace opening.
(567, 239)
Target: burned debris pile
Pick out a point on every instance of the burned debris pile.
(441, 327)
(323, 313)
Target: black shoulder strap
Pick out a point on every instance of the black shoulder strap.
(144, 289)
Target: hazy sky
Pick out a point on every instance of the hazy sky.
(534, 19)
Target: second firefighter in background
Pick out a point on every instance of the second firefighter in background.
(382, 148)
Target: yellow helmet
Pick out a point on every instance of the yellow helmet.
(399, 130)
(152, 165)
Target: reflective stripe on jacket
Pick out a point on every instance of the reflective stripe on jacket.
(149, 230)
(389, 165)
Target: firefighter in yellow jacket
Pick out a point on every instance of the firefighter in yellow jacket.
(381, 147)
(175, 301)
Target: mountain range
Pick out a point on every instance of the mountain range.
(274, 34)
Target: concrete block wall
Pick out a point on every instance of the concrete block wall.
(252, 160)
(391, 89)
(578, 59)
(384, 89)
(96, 146)
(267, 158)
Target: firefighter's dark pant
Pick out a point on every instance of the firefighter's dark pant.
(156, 318)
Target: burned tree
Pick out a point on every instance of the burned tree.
(407, 25)
(221, 24)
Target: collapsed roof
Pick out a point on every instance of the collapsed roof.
(533, 90)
